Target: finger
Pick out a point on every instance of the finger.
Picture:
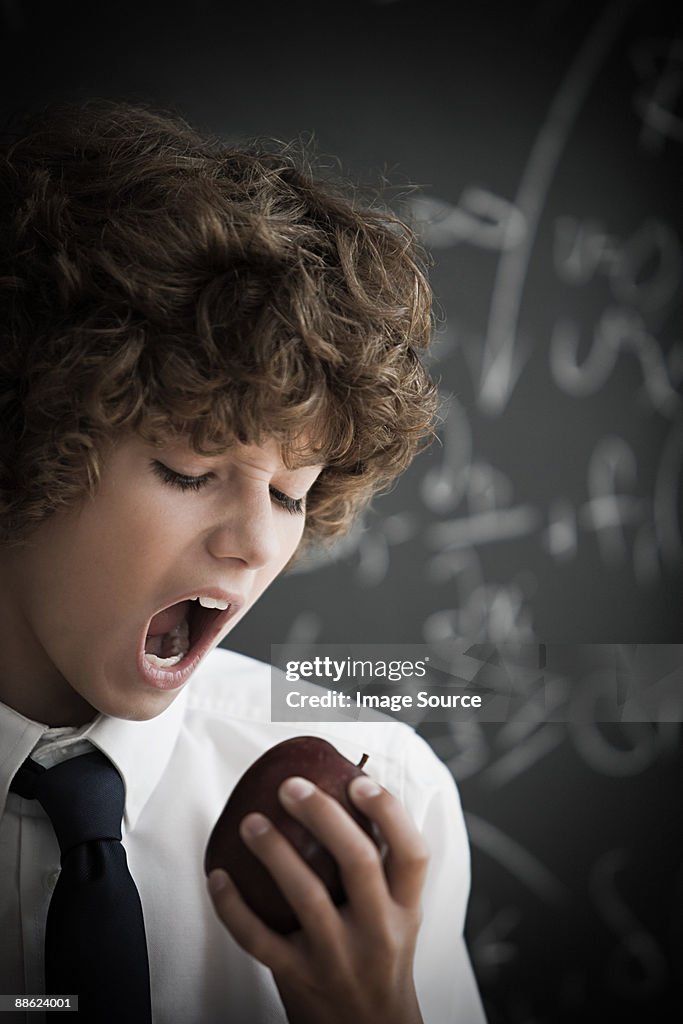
(247, 929)
(306, 894)
(357, 856)
(408, 854)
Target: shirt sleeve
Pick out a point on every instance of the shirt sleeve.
(445, 983)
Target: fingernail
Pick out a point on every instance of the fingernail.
(297, 788)
(217, 881)
(363, 786)
(254, 825)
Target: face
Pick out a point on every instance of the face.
(101, 609)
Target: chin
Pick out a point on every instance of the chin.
(130, 706)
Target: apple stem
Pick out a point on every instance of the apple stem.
(363, 760)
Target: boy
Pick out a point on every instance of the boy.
(208, 358)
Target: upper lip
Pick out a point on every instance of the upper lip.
(235, 600)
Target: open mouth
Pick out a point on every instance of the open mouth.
(184, 631)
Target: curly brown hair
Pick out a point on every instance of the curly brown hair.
(154, 279)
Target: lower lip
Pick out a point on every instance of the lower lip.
(177, 675)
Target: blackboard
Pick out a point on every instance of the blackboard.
(545, 139)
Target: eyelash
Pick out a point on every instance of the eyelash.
(295, 506)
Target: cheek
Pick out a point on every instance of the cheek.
(290, 533)
(293, 532)
(106, 561)
(142, 534)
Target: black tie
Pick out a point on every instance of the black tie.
(95, 935)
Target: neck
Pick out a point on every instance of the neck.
(53, 706)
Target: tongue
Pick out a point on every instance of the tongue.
(167, 620)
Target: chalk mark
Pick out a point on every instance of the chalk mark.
(500, 369)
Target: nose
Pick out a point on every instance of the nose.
(246, 531)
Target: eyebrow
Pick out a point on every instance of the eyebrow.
(302, 462)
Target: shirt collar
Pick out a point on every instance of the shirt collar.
(139, 750)
(18, 737)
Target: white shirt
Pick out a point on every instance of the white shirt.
(178, 770)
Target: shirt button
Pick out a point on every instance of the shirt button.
(51, 880)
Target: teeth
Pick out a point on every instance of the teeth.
(165, 662)
(213, 602)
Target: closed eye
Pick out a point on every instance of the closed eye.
(180, 480)
(195, 483)
(293, 505)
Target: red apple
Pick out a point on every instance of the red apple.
(314, 759)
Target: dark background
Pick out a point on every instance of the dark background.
(546, 141)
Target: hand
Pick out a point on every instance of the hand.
(350, 963)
